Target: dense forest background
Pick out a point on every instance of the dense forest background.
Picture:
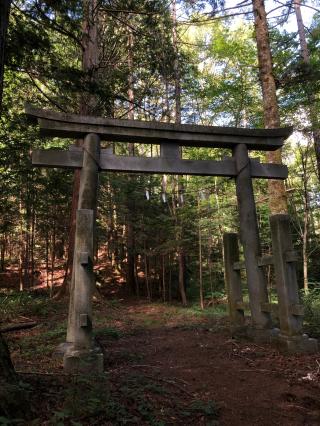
(159, 240)
(176, 61)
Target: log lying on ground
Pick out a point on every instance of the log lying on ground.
(19, 326)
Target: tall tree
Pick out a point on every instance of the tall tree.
(277, 193)
(305, 54)
(4, 20)
(6, 368)
(177, 94)
(130, 267)
(88, 106)
(12, 402)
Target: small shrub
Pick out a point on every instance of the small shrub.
(311, 302)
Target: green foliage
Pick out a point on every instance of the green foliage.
(219, 85)
(311, 303)
(135, 401)
(26, 303)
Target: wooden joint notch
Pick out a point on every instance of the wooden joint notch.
(291, 256)
(169, 150)
(84, 258)
(83, 320)
(237, 266)
(79, 149)
(265, 260)
(296, 310)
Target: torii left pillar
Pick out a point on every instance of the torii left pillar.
(81, 355)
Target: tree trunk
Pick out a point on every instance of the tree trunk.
(32, 241)
(21, 245)
(13, 403)
(176, 66)
(313, 113)
(306, 217)
(6, 368)
(47, 259)
(146, 274)
(200, 259)
(3, 246)
(177, 93)
(305, 249)
(277, 193)
(163, 278)
(4, 21)
(53, 255)
(88, 106)
(182, 289)
(130, 274)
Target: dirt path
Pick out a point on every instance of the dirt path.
(252, 385)
(168, 364)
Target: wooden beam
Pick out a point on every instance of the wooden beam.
(75, 126)
(57, 158)
(168, 165)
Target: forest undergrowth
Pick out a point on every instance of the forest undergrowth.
(164, 365)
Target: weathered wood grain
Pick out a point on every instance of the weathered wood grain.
(75, 126)
(168, 165)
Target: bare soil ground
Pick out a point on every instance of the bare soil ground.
(164, 365)
(252, 385)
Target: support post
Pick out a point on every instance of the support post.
(249, 236)
(233, 282)
(291, 337)
(79, 346)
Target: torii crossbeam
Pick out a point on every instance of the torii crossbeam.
(91, 159)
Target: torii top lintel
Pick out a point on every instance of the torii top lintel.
(77, 126)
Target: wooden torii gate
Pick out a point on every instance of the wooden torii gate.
(91, 160)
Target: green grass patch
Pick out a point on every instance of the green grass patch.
(28, 304)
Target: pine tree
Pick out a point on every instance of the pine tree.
(277, 193)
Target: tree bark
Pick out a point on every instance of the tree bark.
(306, 217)
(177, 93)
(176, 65)
(130, 272)
(277, 193)
(4, 21)
(13, 403)
(302, 36)
(12, 400)
(88, 105)
(313, 113)
(200, 258)
(6, 368)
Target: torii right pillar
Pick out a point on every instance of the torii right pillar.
(291, 338)
(261, 324)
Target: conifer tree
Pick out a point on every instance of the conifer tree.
(277, 193)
